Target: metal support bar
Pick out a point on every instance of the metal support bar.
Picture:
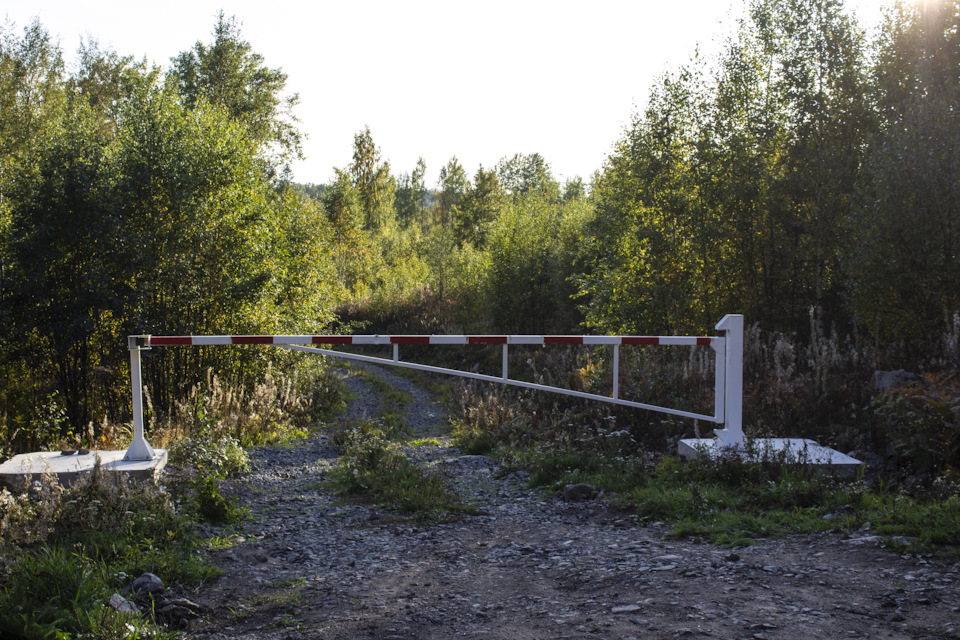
(139, 448)
(515, 383)
(616, 372)
(506, 359)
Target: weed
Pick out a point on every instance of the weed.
(426, 442)
(374, 468)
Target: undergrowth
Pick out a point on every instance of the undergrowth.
(65, 551)
(373, 468)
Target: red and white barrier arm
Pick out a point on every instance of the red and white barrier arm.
(169, 341)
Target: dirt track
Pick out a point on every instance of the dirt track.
(533, 567)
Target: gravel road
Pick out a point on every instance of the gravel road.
(528, 566)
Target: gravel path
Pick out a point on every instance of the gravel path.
(307, 566)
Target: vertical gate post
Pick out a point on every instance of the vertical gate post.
(732, 433)
(139, 448)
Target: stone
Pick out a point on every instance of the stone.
(580, 492)
(627, 608)
(121, 604)
(146, 584)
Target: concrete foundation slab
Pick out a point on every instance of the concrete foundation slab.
(790, 450)
(70, 468)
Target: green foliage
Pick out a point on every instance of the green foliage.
(55, 589)
(453, 188)
(483, 203)
(229, 75)
(921, 425)
(375, 469)
(373, 182)
(527, 174)
(65, 551)
(733, 502)
(532, 248)
(411, 194)
(213, 506)
(728, 192)
(903, 262)
(216, 457)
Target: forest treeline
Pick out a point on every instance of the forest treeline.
(806, 169)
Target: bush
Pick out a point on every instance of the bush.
(373, 468)
(213, 456)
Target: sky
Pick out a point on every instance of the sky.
(434, 79)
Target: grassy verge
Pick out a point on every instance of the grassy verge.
(66, 551)
(733, 502)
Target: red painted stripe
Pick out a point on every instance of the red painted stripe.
(332, 339)
(409, 339)
(640, 340)
(562, 339)
(703, 342)
(163, 341)
(251, 340)
(486, 339)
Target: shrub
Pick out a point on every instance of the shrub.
(373, 468)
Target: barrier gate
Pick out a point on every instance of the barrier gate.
(728, 384)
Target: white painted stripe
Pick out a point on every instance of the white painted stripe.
(601, 339)
(448, 339)
(205, 340)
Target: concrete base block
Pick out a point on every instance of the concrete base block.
(791, 450)
(28, 467)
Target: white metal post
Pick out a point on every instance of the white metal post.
(139, 448)
(732, 433)
(616, 372)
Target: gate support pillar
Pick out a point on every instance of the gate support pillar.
(731, 436)
(139, 448)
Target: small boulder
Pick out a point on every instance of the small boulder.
(145, 584)
(580, 492)
(121, 604)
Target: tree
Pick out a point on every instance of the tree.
(820, 83)
(453, 186)
(523, 174)
(65, 246)
(196, 208)
(481, 205)
(229, 75)
(574, 189)
(411, 195)
(31, 96)
(904, 259)
(105, 79)
(371, 177)
(341, 202)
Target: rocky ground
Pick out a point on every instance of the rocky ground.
(525, 566)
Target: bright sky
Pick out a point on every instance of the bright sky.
(479, 80)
